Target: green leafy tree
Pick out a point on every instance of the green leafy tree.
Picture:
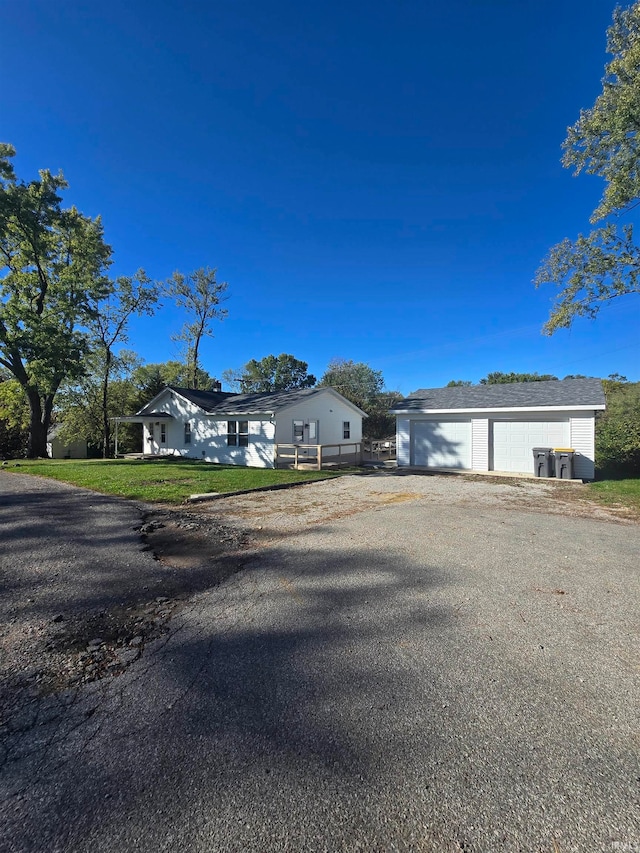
(81, 406)
(618, 429)
(52, 263)
(356, 381)
(150, 379)
(364, 386)
(14, 418)
(200, 295)
(498, 378)
(459, 383)
(604, 264)
(275, 373)
(128, 297)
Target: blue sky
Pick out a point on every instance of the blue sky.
(376, 181)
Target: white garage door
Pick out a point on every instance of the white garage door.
(441, 444)
(513, 442)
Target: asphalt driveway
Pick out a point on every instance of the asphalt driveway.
(445, 667)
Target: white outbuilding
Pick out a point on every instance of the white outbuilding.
(311, 425)
(496, 427)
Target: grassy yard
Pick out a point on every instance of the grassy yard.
(621, 492)
(163, 480)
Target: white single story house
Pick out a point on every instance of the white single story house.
(496, 427)
(258, 430)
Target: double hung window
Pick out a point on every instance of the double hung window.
(238, 433)
(187, 432)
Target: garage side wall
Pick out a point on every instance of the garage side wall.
(480, 444)
(582, 426)
(403, 441)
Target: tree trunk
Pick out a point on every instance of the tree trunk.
(37, 427)
(106, 426)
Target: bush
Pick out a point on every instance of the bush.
(618, 446)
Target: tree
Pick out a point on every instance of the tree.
(604, 264)
(618, 428)
(81, 406)
(459, 383)
(275, 373)
(200, 294)
(364, 386)
(14, 418)
(358, 382)
(129, 296)
(53, 264)
(150, 379)
(498, 378)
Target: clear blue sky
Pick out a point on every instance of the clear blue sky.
(377, 181)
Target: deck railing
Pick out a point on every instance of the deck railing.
(379, 449)
(342, 455)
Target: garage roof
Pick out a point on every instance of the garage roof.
(557, 394)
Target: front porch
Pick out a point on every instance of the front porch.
(317, 456)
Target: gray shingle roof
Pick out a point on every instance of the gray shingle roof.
(564, 392)
(225, 403)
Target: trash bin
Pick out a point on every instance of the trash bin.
(542, 464)
(564, 462)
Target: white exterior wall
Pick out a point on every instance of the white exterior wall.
(581, 426)
(480, 444)
(582, 430)
(208, 435)
(329, 411)
(56, 449)
(403, 441)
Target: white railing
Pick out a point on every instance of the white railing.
(349, 453)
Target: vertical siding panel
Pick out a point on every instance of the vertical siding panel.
(480, 444)
(403, 441)
(583, 442)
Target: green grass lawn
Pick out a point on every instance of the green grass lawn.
(162, 480)
(624, 492)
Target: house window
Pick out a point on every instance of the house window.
(298, 432)
(163, 433)
(238, 433)
(150, 431)
(346, 429)
(187, 432)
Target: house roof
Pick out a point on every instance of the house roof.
(556, 394)
(226, 403)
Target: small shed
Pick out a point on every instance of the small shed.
(496, 427)
(316, 425)
(59, 449)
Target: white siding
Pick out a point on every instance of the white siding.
(582, 428)
(403, 441)
(208, 436)
(329, 411)
(578, 426)
(480, 444)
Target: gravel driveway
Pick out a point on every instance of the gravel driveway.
(404, 663)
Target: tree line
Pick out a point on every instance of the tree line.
(63, 319)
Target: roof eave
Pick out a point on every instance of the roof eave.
(487, 409)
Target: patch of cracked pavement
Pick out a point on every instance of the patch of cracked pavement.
(46, 662)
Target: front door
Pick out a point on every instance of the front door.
(305, 432)
(311, 432)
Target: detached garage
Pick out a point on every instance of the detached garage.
(496, 427)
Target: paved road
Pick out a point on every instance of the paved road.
(425, 675)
